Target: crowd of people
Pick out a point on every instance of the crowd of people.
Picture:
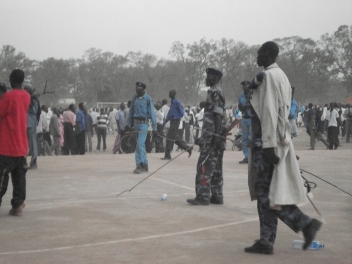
(269, 118)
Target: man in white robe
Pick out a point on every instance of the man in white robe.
(274, 175)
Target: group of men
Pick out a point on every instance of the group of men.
(274, 175)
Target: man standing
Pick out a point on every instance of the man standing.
(312, 128)
(120, 121)
(274, 175)
(69, 120)
(32, 122)
(244, 105)
(333, 132)
(142, 109)
(209, 176)
(13, 141)
(165, 108)
(80, 130)
(292, 117)
(174, 115)
(54, 129)
(348, 116)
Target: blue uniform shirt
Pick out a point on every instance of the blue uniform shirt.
(142, 108)
(243, 103)
(293, 110)
(80, 120)
(176, 110)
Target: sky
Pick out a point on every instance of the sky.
(65, 29)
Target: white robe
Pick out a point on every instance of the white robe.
(271, 101)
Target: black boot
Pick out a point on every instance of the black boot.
(198, 201)
(33, 165)
(214, 200)
(261, 247)
(144, 167)
(310, 231)
(139, 169)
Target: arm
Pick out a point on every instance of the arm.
(151, 114)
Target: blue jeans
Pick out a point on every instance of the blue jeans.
(32, 142)
(141, 154)
(245, 124)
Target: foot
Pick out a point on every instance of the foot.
(144, 167)
(244, 161)
(214, 200)
(310, 231)
(198, 201)
(138, 170)
(189, 150)
(311, 149)
(33, 166)
(261, 247)
(17, 211)
(166, 158)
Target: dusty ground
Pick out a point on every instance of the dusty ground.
(72, 214)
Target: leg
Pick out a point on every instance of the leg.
(18, 176)
(217, 180)
(5, 169)
(99, 135)
(104, 132)
(140, 155)
(171, 135)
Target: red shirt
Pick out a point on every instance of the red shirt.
(13, 123)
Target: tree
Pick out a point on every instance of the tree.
(337, 50)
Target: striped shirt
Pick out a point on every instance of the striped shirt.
(102, 121)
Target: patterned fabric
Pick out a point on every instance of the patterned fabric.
(209, 178)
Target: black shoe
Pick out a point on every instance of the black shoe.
(244, 161)
(261, 247)
(139, 169)
(189, 150)
(144, 167)
(166, 158)
(198, 201)
(214, 200)
(310, 231)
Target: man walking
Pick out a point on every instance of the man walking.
(120, 121)
(142, 109)
(274, 175)
(209, 176)
(69, 118)
(174, 115)
(13, 141)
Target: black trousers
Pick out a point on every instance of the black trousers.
(333, 136)
(15, 166)
(80, 143)
(173, 137)
(69, 140)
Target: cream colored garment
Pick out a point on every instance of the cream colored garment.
(271, 101)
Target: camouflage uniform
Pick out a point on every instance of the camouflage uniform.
(291, 215)
(211, 179)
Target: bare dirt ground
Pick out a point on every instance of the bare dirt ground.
(72, 214)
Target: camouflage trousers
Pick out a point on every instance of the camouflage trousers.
(210, 177)
(291, 215)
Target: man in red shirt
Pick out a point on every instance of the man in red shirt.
(13, 141)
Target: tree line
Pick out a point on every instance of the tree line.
(321, 71)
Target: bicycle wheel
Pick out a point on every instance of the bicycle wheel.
(128, 143)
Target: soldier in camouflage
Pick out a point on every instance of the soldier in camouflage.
(209, 177)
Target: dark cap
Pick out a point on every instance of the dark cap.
(140, 84)
(245, 83)
(214, 72)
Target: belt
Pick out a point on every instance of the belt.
(139, 121)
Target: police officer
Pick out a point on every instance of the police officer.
(244, 105)
(209, 177)
(142, 109)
